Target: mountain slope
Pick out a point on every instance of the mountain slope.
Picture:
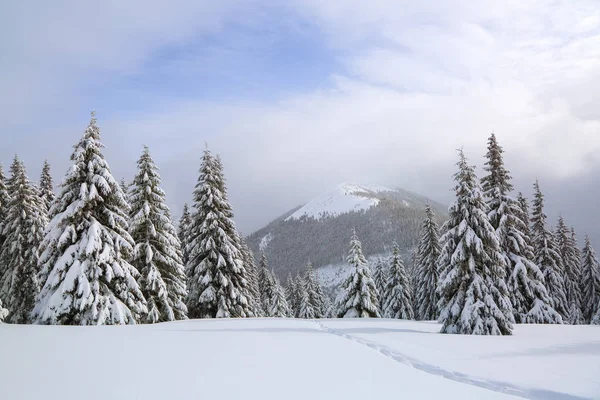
(320, 230)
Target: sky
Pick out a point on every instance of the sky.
(298, 96)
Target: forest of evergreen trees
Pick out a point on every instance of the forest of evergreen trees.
(106, 252)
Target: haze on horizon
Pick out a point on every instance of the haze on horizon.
(301, 96)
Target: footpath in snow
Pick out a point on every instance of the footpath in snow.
(296, 359)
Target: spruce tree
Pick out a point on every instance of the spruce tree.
(47, 195)
(299, 286)
(252, 272)
(266, 283)
(183, 233)
(380, 277)
(290, 294)
(398, 304)
(218, 282)
(278, 307)
(473, 295)
(315, 292)
(590, 281)
(23, 230)
(86, 247)
(4, 200)
(547, 256)
(426, 271)
(157, 252)
(3, 312)
(508, 217)
(305, 308)
(360, 298)
(571, 260)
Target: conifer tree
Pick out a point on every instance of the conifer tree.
(86, 247)
(124, 185)
(278, 307)
(182, 233)
(252, 272)
(380, 277)
(266, 283)
(305, 308)
(47, 195)
(473, 295)
(290, 294)
(3, 312)
(571, 260)
(4, 200)
(218, 282)
(360, 298)
(524, 216)
(547, 256)
(398, 304)
(23, 230)
(590, 281)
(157, 252)
(426, 271)
(299, 285)
(315, 292)
(509, 219)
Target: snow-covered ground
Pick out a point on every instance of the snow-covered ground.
(344, 198)
(296, 359)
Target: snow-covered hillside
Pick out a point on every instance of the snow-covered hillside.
(345, 198)
(296, 359)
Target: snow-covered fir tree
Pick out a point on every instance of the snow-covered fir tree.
(266, 283)
(590, 281)
(4, 200)
(529, 298)
(398, 297)
(278, 306)
(299, 286)
(473, 294)
(360, 298)
(86, 248)
(305, 307)
(547, 256)
(3, 312)
(23, 229)
(426, 268)
(290, 294)
(571, 260)
(182, 233)
(157, 252)
(218, 283)
(380, 277)
(252, 272)
(315, 292)
(47, 195)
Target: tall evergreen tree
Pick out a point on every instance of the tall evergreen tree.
(380, 277)
(290, 294)
(299, 285)
(266, 283)
(4, 200)
(547, 256)
(183, 233)
(315, 292)
(571, 260)
(305, 308)
(473, 295)
(278, 307)
(23, 230)
(47, 195)
(590, 281)
(86, 247)
(218, 282)
(3, 312)
(360, 298)
(157, 252)
(426, 269)
(398, 295)
(252, 271)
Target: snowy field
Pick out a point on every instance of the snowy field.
(296, 359)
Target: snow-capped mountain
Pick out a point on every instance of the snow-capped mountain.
(320, 230)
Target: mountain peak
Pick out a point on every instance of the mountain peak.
(345, 197)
